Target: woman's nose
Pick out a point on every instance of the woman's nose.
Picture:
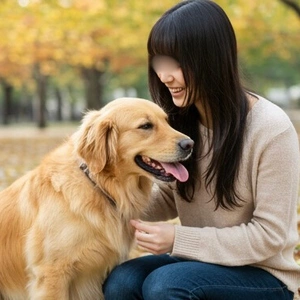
(165, 76)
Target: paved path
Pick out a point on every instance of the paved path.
(30, 131)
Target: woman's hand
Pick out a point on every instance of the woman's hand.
(156, 238)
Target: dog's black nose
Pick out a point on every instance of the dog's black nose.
(186, 144)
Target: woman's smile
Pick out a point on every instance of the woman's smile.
(178, 95)
(175, 91)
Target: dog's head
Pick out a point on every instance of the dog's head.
(132, 136)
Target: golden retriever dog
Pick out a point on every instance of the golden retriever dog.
(65, 224)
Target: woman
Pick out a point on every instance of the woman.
(238, 207)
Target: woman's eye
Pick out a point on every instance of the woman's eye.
(164, 63)
(146, 126)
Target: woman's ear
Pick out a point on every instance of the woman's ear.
(97, 141)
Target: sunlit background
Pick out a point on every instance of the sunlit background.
(59, 57)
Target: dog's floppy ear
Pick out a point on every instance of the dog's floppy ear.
(97, 141)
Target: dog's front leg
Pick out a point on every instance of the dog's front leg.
(48, 283)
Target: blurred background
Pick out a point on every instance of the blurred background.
(59, 58)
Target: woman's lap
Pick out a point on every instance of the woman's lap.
(125, 278)
(165, 277)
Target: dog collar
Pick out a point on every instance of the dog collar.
(86, 171)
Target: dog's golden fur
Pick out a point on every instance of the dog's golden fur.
(60, 234)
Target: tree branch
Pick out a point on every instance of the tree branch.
(293, 5)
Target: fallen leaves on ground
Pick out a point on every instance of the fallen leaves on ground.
(22, 149)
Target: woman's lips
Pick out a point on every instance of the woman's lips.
(176, 91)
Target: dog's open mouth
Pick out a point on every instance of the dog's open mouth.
(161, 170)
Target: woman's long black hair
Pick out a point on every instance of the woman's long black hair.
(199, 35)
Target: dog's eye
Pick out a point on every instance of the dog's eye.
(146, 126)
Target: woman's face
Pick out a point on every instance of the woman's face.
(169, 72)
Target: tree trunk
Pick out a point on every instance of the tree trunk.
(41, 81)
(73, 115)
(7, 102)
(93, 87)
(293, 5)
(59, 104)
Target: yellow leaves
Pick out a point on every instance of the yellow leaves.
(75, 32)
(89, 5)
(87, 32)
(263, 28)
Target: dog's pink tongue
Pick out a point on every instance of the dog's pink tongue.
(177, 170)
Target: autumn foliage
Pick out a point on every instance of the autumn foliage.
(42, 39)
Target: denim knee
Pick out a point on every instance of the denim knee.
(126, 280)
(160, 285)
(121, 284)
(153, 289)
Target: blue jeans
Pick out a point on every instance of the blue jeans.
(163, 277)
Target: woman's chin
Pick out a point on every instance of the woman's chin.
(179, 102)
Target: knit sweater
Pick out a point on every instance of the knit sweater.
(263, 231)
